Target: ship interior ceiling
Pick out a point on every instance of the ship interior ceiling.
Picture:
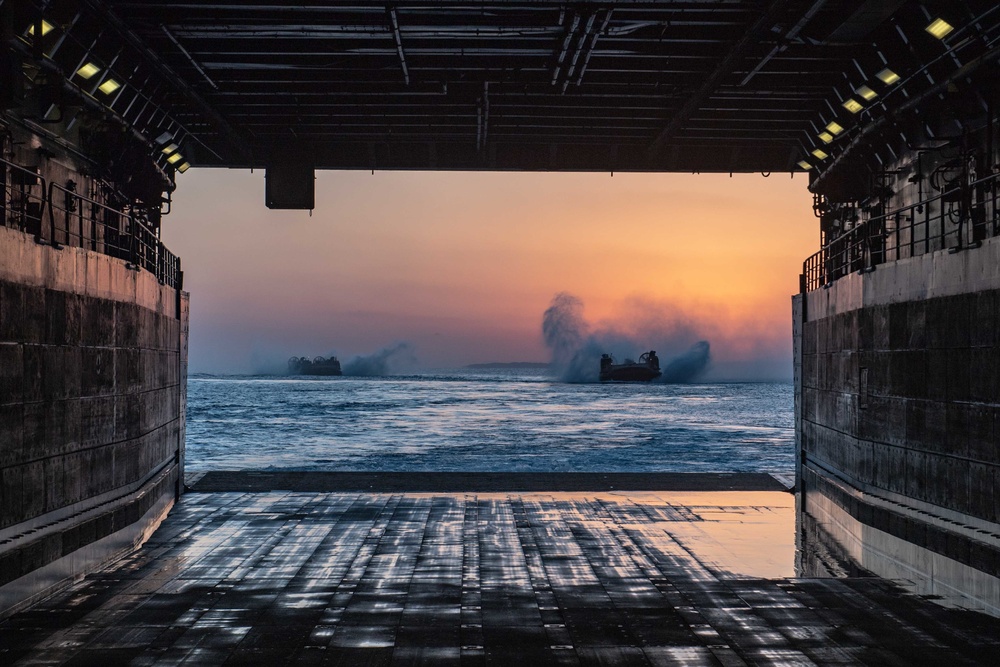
(696, 86)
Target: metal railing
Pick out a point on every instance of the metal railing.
(24, 197)
(79, 221)
(955, 219)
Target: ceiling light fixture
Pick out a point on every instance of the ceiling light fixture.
(888, 77)
(833, 127)
(821, 154)
(853, 105)
(866, 93)
(46, 28)
(825, 137)
(109, 86)
(88, 70)
(939, 28)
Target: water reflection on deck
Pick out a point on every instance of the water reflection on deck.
(532, 578)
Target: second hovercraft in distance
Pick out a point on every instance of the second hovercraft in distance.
(644, 370)
(318, 366)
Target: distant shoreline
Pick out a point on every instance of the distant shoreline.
(510, 364)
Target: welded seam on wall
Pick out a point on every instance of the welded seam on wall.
(907, 447)
(824, 514)
(950, 519)
(951, 543)
(109, 545)
(91, 448)
(42, 525)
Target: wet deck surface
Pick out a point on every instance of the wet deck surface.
(526, 579)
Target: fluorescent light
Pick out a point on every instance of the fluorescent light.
(888, 76)
(939, 28)
(170, 149)
(88, 70)
(822, 155)
(833, 127)
(866, 92)
(825, 137)
(805, 165)
(109, 86)
(175, 158)
(46, 28)
(164, 138)
(853, 105)
(184, 167)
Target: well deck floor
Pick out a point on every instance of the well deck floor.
(485, 578)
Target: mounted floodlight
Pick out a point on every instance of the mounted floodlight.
(939, 28)
(805, 165)
(834, 128)
(866, 92)
(164, 138)
(825, 137)
(888, 77)
(853, 105)
(46, 28)
(819, 153)
(167, 150)
(109, 86)
(88, 70)
(183, 167)
(175, 158)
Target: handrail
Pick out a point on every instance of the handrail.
(80, 221)
(15, 205)
(911, 230)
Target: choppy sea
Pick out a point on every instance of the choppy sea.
(485, 420)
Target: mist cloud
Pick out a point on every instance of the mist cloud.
(576, 346)
(384, 362)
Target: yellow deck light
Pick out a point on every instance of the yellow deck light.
(888, 77)
(167, 150)
(834, 128)
(88, 70)
(109, 86)
(819, 153)
(866, 93)
(46, 28)
(805, 165)
(183, 167)
(825, 137)
(939, 28)
(175, 158)
(853, 105)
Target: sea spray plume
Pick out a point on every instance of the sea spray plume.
(689, 366)
(585, 364)
(382, 362)
(564, 328)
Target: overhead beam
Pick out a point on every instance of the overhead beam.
(394, 21)
(723, 69)
(790, 35)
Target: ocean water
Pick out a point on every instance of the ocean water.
(485, 420)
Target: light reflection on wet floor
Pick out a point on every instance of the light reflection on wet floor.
(630, 578)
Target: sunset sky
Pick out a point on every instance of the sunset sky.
(462, 265)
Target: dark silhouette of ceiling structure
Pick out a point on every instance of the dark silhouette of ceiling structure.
(695, 85)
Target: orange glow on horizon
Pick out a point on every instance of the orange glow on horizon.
(464, 264)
